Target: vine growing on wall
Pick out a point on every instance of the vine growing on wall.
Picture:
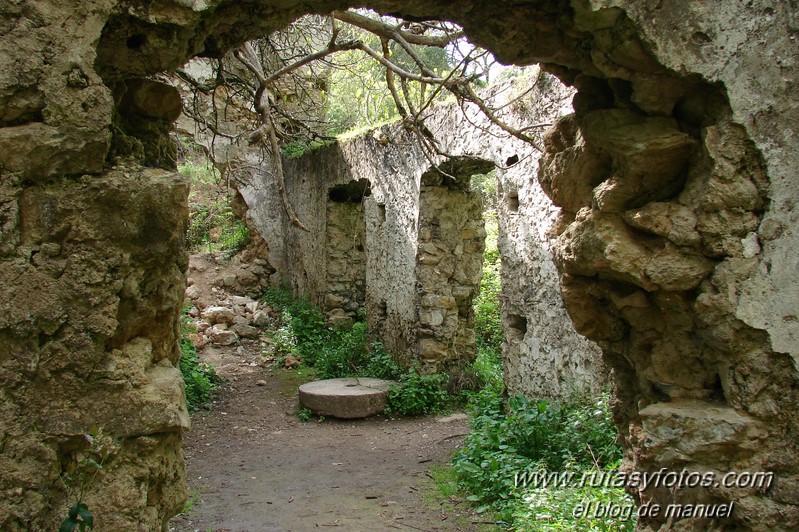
(80, 473)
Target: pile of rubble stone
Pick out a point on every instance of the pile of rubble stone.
(222, 319)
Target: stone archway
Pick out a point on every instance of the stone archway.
(678, 245)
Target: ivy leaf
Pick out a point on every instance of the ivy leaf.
(68, 525)
(74, 510)
(85, 516)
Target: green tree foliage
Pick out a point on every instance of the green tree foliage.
(487, 315)
(359, 96)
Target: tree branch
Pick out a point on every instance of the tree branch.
(384, 30)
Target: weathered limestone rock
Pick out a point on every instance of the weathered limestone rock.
(573, 169)
(345, 398)
(245, 331)
(218, 314)
(105, 257)
(219, 334)
(261, 319)
(669, 220)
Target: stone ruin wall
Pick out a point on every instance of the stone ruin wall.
(543, 356)
(691, 293)
(450, 241)
(425, 238)
(386, 212)
(345, 236)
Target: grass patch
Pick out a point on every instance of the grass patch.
(200, 379)
(290, 380)
(446, 480)
(516, 436)
(191, 502)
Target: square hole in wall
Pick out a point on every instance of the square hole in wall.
(517, 326)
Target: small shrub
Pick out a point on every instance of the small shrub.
(234, 235)
(200, 379)
(517, 435)
(487, 317)
(284, 342)
(487, 366)
(79, 475)
(279, 298)
(348, 353)
(341, 353)
(417, 394)
(297, 148)
(308, 325)
(380, 365)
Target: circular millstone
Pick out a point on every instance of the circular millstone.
(346, 398)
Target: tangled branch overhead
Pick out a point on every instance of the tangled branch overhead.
(324, 75)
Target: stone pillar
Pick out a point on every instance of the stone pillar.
(91, 291)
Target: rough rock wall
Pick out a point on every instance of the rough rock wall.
(543, 356)
(724, 70)
(672, 211)
(92, 268)
(92, 275)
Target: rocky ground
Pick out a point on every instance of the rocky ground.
(254, 466)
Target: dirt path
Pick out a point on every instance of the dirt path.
(253, 466)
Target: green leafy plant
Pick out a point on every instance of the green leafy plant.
(80, 473)
(487, 316)
(305, 415)
(212, 224)
(79, 518)
(279, 298)
(517, 436)
(234, 234)
(302, 333)
(337, 352)
(417, 394)
(200, 379)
